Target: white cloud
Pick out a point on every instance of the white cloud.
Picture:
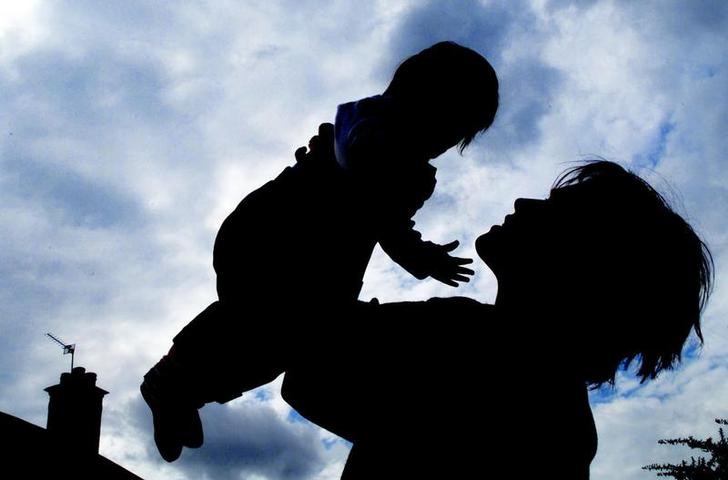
(21, 29)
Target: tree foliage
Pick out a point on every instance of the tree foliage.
(700, 468)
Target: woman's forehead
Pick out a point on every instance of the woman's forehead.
(568, 192)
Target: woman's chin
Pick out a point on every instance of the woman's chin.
(484, 244)
(493, 248)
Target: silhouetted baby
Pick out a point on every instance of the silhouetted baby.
(298, 246)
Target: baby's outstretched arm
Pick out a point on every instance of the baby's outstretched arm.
(395, 195)
(425, 259)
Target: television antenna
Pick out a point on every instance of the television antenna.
(67, 348)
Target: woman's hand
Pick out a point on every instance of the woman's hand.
(321, 146)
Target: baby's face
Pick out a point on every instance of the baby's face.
(435, 138)
(439, 144)
(426, 130)
(435, 130)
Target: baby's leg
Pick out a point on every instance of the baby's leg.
(203, 365)
(175, 388)
(174, 407)
(229, 350)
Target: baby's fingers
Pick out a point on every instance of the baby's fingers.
(300, 154)
(465, 271)
(461, 278)
(462, 261)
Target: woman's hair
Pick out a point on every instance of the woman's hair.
(645, 275)
(448, 77)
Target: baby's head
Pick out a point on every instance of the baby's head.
(448, 93)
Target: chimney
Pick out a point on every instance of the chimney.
(74, 411)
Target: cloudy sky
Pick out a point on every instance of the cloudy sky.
(130, 129)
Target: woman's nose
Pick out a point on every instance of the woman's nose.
(527, 204)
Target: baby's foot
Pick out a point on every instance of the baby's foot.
(176, 420)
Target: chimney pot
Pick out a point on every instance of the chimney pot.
(74, 411)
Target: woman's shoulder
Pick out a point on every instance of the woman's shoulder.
(462, 304)
(450, 304)
(458, 301)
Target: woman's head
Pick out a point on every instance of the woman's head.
(627, 275)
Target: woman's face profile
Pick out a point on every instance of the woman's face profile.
(534, 238)
(521, 234)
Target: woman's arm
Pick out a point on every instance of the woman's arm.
(384, 358)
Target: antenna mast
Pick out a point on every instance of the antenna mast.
(67, 348)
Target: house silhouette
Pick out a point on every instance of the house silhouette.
(68, 447)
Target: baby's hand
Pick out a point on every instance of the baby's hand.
(448, 269)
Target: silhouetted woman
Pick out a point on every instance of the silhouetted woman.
(600, 275)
